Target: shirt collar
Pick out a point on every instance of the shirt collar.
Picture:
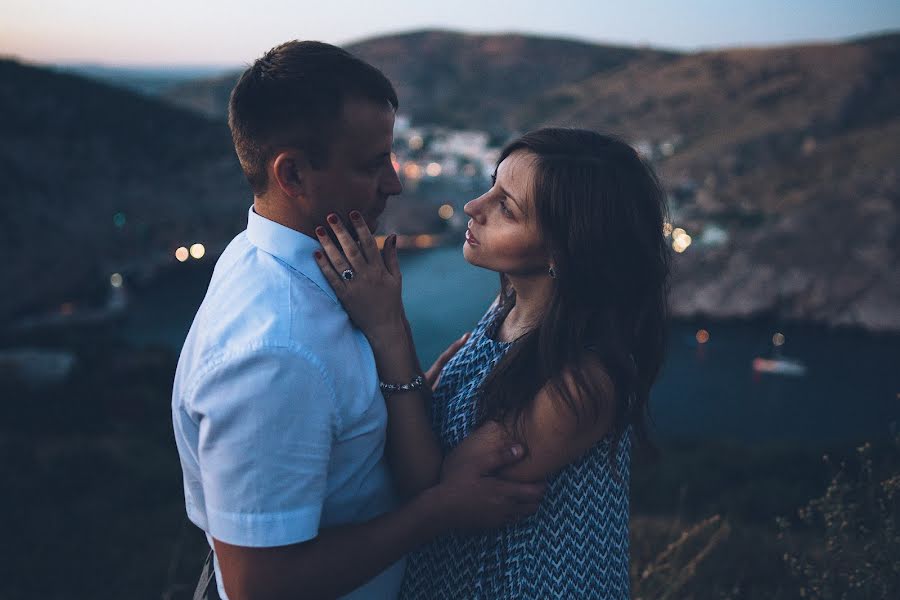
(289, 246)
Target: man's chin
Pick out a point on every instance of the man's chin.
(371, 225)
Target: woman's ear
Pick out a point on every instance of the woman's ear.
(288, 171)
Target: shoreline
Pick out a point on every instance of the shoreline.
(144, 274)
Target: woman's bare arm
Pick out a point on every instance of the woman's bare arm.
(412, 448)
(553, 434)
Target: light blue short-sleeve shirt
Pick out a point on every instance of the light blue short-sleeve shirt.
(278, 418)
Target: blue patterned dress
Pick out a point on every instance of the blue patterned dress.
(575, 546)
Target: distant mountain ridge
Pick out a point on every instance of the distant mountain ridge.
(146, 80)
(456, 79)
(477, 81)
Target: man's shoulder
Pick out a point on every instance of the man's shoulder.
(245, 363)
(251, 282)
(254, 300)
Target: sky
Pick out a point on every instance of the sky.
(235, 32)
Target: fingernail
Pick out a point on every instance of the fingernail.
(320, 231)
(317, 254)
(516, 451)
(355, 215)
(333, 219)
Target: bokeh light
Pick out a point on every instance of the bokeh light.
(116, 280)
(424, 241)
(182, 254)
(680, 240)
(446, 211)
(412, 171)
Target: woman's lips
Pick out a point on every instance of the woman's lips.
(471, 238)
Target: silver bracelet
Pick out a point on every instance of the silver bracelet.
(391, 388)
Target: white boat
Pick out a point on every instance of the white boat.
(779, 366)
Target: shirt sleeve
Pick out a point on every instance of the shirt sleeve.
(266, 424)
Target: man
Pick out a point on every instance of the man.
(278, 416)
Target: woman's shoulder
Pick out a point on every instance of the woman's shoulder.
(489, 313)
(591, 369)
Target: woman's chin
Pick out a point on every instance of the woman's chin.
(468, 254)
(471, 257)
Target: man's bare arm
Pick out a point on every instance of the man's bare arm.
(340, 559)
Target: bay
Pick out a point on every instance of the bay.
(850, 393)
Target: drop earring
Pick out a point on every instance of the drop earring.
(552, 273)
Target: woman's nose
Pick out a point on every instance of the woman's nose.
(473, 208)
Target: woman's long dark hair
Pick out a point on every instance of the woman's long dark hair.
(600, 210)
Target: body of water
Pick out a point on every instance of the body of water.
(850, 393)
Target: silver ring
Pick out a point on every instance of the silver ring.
(348, 274)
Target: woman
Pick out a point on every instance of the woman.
(563, 361)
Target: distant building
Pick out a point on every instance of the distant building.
(401, 124)
(713, 235)
(467, 144)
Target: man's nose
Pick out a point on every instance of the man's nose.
(390, 183)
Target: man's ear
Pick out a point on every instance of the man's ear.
(289, 172)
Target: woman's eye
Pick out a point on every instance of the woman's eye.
(505, 210)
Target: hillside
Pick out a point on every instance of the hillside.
(458, 80)
(793, 149)
(74, 153)
(786, 154)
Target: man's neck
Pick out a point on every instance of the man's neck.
(282, 214)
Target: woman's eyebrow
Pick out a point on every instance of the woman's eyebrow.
(508, 195)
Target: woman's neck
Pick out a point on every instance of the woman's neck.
(532, 296)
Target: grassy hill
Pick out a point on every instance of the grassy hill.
(73, 154)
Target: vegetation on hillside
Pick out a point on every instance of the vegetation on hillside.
(92, 486)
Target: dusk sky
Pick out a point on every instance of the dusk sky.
(235, 32)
